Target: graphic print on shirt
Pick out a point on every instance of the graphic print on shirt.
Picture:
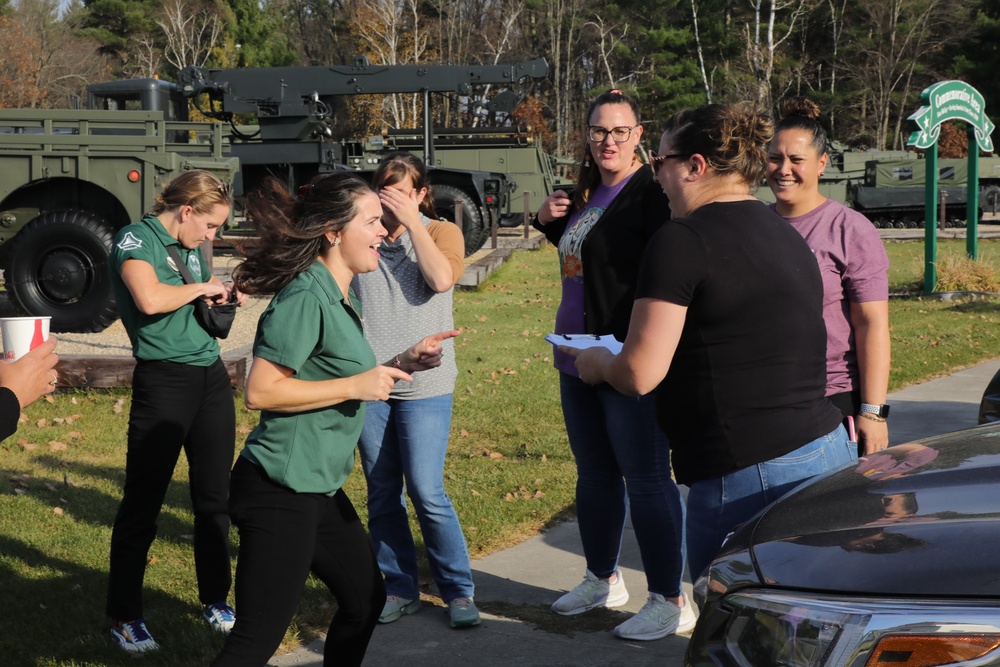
(571, 244)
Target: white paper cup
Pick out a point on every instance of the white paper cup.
(21, 334)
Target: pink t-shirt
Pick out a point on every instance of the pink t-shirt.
(855, 268)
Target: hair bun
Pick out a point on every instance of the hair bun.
(800, 106)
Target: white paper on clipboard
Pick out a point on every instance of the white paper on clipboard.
(583, 341)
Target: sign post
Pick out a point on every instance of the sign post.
(944, 101)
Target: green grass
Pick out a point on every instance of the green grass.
(509, 469)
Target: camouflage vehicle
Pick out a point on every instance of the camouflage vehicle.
(71, 179)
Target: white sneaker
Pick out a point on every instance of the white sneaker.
(658, 618)
(591, 593)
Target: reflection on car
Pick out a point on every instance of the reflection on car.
(893, 561)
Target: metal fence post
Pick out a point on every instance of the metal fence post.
(527, 212)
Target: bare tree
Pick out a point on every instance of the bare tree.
(901, 35)
(701, 54)
(762, 49)
(191, 29)
(607, 42)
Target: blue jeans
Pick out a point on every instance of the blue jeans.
(408, 440)
(619, 450)
(715, 507)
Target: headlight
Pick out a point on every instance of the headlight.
(752, 627)
(766, 630)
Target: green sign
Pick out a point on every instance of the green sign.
(951, 100)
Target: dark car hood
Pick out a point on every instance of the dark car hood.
(919, 519)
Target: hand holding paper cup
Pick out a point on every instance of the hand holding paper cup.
(21, 334)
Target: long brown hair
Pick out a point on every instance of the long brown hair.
(292, 229)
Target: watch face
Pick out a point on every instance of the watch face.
(883, 411)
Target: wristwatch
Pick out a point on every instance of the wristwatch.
(877, 410)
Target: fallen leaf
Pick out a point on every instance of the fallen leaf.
(152, 560)
(496, 455)
(509, 497)
(544, 458)
(41, 423)
(51, 488)
(75, 434)
(474, 492)
(73, 400)
(50, 399)
(58, 420)
(539, 494)
(22, 419)
(57, 446)
(463, 433)
(58, 511)
(118, 405)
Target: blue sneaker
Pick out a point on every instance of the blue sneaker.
(220, 616)
(396, 606)
(463, 613)
(134, 637)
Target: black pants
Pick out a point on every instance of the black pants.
(283, 537)
(174, 406)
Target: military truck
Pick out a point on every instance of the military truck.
(70, 180)
(893, 191)
(295, 137)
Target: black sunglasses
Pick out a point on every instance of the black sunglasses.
(657, 160)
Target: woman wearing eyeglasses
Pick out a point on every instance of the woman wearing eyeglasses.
(619, 449)
(728, 329)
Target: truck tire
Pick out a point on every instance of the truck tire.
(58, 266)
(473, 228)
(991, 198)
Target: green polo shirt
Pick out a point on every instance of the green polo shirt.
(312, 329)
(174, 336)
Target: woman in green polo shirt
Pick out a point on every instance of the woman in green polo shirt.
(181, 397)
(311, 375)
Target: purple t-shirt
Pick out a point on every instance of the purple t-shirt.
(569, 317)
(855, 268)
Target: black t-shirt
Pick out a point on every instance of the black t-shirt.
(748, 379)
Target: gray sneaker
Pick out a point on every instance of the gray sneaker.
(395, 607)
(592, 592)
(463, 613)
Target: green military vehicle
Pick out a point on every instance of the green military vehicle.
(68, 181)
(892, 193)
(481, 171)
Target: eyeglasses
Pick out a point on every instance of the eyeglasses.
(657, 160)
(620, 134)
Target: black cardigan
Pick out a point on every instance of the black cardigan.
(613, 250)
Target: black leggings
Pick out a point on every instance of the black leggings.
(283, 537)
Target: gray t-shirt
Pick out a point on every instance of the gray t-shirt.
(400, 309)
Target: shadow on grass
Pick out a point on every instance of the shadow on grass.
(55, 616)
(99, 509)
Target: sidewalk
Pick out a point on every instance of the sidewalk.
(524, 580)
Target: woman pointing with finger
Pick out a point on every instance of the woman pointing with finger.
(312, 373)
